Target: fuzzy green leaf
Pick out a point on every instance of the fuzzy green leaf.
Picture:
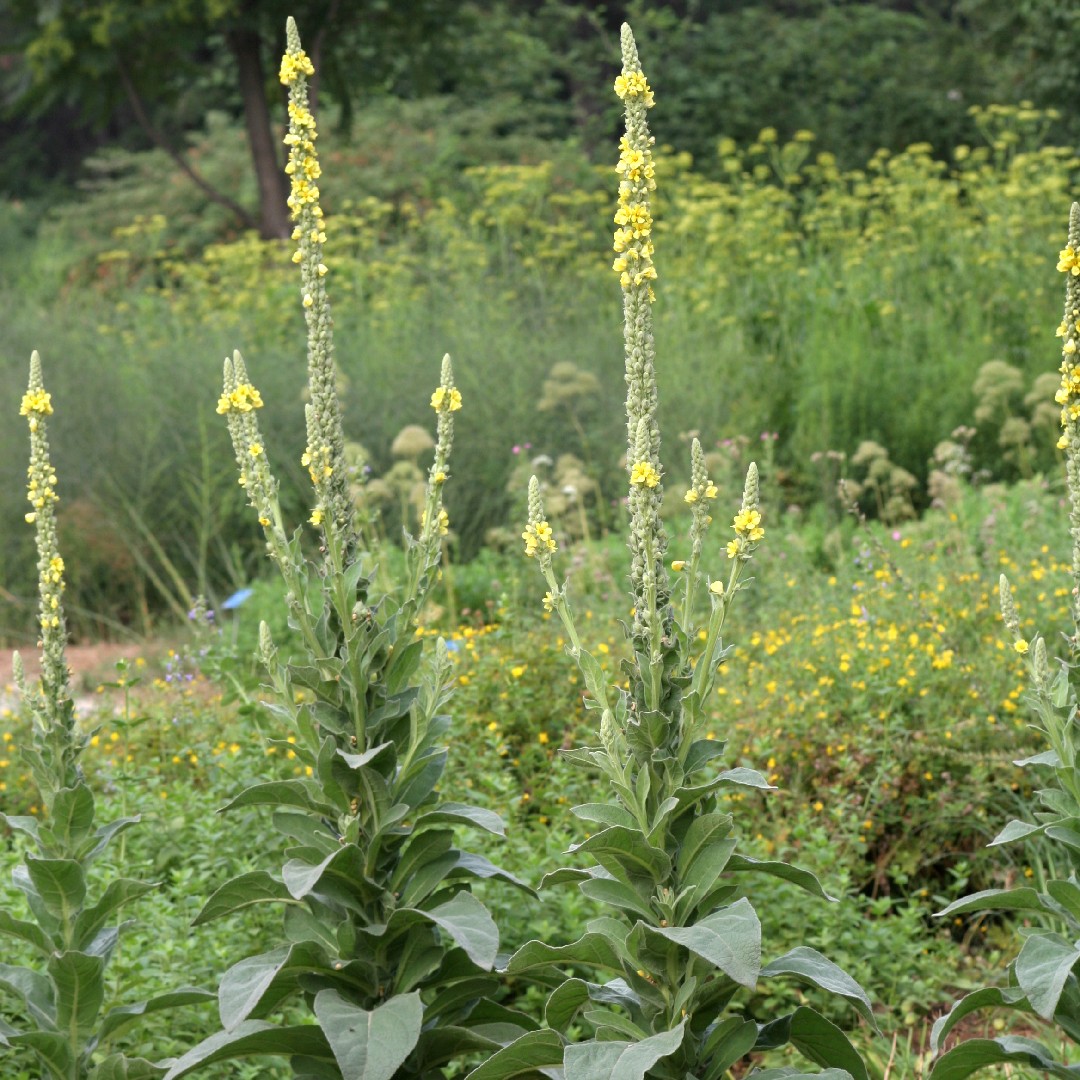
(1041, 969)
(1022, 899)
(607, 890)
(256, 887)
(592, 950)
(119, 1067)
(52, 1050)
(990, 997)
(1015, 830)
(605, 814)
(729, 939)
(119, 891)
(816, 1038)
(535, 1052)
(975, 1054)
(253, 1038)
(277, 793)
(244, 986)
(72, 816)
(36, 992)
(629, 850)
(462, 814)
(564, 1002)
(471, 927)
(26, 931)
(810, 966)
(370, 1045)
(28, 826)
(61, 884)
(620, 1060)
(103, 836)
(122, 1015)
(730, 1040)
(80, 991)
(796, 875)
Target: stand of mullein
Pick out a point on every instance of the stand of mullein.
(61, 1020)
(681, 941)
(382, 941)
(1041, 980)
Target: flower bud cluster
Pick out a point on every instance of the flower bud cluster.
(700, 493)
(445, 400)
(238, 402)
(538, 536)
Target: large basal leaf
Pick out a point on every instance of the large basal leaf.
(244, 985)
(370, 1045)
(593, 950)
(61, 884)
(620, 1060)
(729, 939)
(810, 966)
(122, 1015)
(1041, 969)
(256, 887)
(470, 925)
(253, 1038)
(975, 1054)
(80, 990)
(535, 1052)
(989, 997)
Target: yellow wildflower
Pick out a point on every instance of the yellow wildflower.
(644, 472)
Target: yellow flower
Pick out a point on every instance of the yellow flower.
(36, 401)
(644, 473)
(1069, 261)
(451, 399)
(691, 497)
(634, 84)
(549, 602)
(678, 565)
(517, 671)
(732, 548)
(717, 587)
(1021, 646)
(316, 516)
(711, 491)
(538, 536)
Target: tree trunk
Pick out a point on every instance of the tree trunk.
(269, 174)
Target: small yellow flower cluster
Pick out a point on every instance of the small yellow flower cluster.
(310, 460)
(40, 488)
(633, 84)
(633, 239)
(303, 165)
(538, 537)
(446, 400)
(644, 473)
(293, 65)
(710, 492)
(1069, 261)
(748, 530)
(36, 401)
(442, 521)
(241, 400)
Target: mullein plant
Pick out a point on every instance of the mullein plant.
(63, 1016)
(382, 942)
(1041, 980)
(679, 948)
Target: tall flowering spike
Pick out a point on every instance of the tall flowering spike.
(445, 400)
(538, 536)
(238, 402)
(747, 524)
(41, 494)
(634, 265)
(700, 493)
(325, 435)
(1068, 397)
(1009, 614)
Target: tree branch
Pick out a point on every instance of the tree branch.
(159, 140)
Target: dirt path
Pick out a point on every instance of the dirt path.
(89, 663)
